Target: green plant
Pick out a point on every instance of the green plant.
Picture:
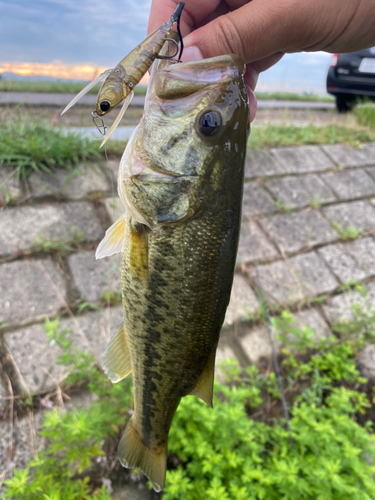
(56, 245)
(33, 145)
(365, 114)
(269, 136)
(240, 449)
(109, 297)
(315, 202)
(349, 233)
(283, 206)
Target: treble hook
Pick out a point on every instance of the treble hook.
(102, 125)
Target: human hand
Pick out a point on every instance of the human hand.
(261, 31)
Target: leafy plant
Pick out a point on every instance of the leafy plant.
(283, 206)
(240, 449)
(349, 233)
(365, 114)
(109, 297)
(61, 246)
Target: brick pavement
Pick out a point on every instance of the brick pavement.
(298, 203)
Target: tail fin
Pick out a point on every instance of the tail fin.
(132, 453)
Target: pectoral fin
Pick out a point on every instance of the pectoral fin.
(113, 240)
(116, 358)
(139, 250)
(205, 385)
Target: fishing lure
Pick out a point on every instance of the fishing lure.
(120, 82)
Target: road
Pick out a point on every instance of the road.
(61, 100)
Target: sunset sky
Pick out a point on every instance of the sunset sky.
(79, 38)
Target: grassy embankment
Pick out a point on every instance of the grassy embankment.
(31, 144)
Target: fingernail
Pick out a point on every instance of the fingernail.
(191, 54)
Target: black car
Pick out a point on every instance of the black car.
(352, 77)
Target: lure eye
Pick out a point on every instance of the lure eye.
(209, 123)
(104, 106)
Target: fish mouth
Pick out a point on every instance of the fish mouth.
(181, 80)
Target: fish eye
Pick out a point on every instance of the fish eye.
(104, 106)
(209, 123)
(117, 71)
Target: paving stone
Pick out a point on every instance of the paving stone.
(371, 172)
(75, 184)
(224, 351)
(256, 345)
(303, 159)
(295, 231)
(93, 277)
(340, 307)
(114, 207)
(4, 401)
(350, 185)
(289, 281)
(243, 303)
(30, 290)
(256, 201)
(253, 245)
(22, 227)
(260, 163)
(351, 261)
(111, 168)
(346, 156)
(38, 365)
(10, 187)
(301, 191)
(360, 214)
(312, 319)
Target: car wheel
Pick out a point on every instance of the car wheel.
(344, 103)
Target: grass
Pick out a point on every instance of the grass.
(349, 233)
(33, 145)
(54, 87)
(268, 136)
(365, 114)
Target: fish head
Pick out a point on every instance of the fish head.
(113, 91)
(192, 135)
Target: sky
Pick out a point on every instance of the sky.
(80, 38)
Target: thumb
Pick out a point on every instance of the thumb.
(254, 31)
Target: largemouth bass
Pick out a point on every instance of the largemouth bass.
(180, 179)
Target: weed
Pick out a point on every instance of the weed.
(87, 306)
(109, 297)
(268, 136)
(32, 145)
(60, 246)
(240, 449)
(315, 202)
(283, 206)
(349, 233)
(365, 114)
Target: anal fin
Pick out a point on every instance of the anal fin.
(151, 460)
(205, 385)
(116, 358)
(113, 240)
